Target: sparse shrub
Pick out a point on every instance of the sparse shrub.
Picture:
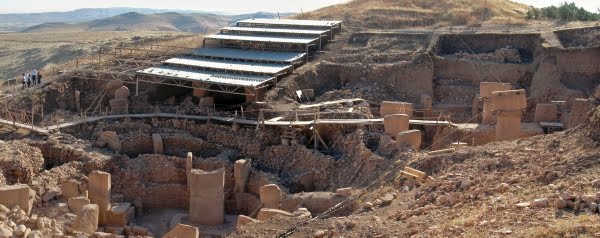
(566, 12)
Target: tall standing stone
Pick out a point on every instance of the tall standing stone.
(207, 197)
(394, 124)
(19, 194)
(485, 90)
(87, 219)
(99, 193)
(241, 170)
(508, 107)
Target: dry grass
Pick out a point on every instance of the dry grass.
(390, 14)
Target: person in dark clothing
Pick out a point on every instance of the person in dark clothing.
(24, 81)
(39, 78)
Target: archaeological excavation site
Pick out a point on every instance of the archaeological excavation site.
(312, 128)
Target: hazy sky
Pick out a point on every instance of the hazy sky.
(229, 6)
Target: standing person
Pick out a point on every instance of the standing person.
(24, 81)
(39, 78)
(28, 82)
(34, 74)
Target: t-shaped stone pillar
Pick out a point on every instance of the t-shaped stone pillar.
(394, 124)
(241, 170)
(390, 108)
(508, 107)
(189, 165)
(207, 197)
(485, 90)
(270, 196)
(99, 193)
(157, 144)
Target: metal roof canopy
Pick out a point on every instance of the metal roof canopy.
(276, 30)
(245, 67)
(290, 22)
(206, 76)
(254, 55)
(267, 39)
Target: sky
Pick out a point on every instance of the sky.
(227, 6)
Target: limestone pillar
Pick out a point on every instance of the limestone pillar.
(426, 101)
(508, 107)
(189, 165)
(207, 197)
(485, 91)
(241, 170)
(546, 112)
(99, 193)
(410, 137)
(78, 101)
(390, 108)
(198, 92)
(394, 124)
(270, 196)
(120, 105)
(19, 194)
(157, 144)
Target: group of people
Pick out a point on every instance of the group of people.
(31, 79)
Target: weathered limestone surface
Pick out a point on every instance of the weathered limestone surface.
(270, 196)
(396, 123)
(70, 188)
(485, 90)
(546, 112)
(11, 195)
(76, 203)
(391, 108)
(120, 214)
(157, 144)
(508, 107)
(579, 108)
(99, 185)
(207, 197)
(245, 220)
(87, 219)
(183, 231)
(241, 171)
(410, 137)
(267, 213)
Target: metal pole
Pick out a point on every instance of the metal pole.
(137, 82)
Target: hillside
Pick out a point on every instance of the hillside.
(20, 21)
(134, 21)
(392, 14)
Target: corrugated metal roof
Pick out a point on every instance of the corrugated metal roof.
(272, 39)
(229, 65)
(206, 76)
(276, 30)
(290, 22)
(274, 56)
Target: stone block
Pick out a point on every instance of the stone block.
(183, 231)
(122, 93)
(267, 213)
(241, 171)
(87, 219)
(11, 195)
(112, 86)
(76, 203)
(120, 214)
(344, 192)
(207, 197)
(245, 220)
(189, 165)
(157, 144)
(410, 138)
(391, 108)
(307, 181)
(511, 100)
(70, 188)
(207, 101)
(396, 123)
(119, 106)
(546, 112)
(579, 108)
(270, 196)
(426, 101)
(99, 185)
(486, 88)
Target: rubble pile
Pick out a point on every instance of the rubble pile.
(503, 55)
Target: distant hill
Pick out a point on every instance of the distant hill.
(393, 14)
(20, 21)
(134, 21)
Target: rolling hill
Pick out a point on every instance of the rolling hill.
(134, 21)
(390, 14)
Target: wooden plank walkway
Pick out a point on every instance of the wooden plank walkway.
(330, 103)
(45, 130)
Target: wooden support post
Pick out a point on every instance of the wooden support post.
(137, 89)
